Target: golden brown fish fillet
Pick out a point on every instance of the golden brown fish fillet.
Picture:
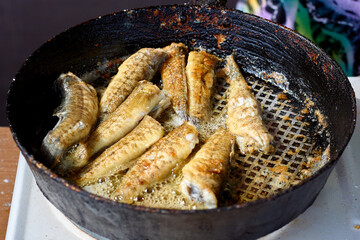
(158, 162)
(244, 114)
(77, 115)
(174, 78)
(123, 153)
(139, 103)
(200, 72)
(142, 65)
(204, 174)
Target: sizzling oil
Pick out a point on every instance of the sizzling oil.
(253, 176)
(167, 193)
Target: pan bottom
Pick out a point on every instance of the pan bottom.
(253, 176)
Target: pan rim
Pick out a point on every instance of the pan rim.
(54, 177)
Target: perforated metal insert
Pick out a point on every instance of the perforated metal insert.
(255, 175)
(258, 175)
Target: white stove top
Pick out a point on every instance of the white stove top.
(335, 213)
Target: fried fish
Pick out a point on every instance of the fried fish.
(204, 174)
(158, 162)
(123, 153)
(174, 77)
(142, 65)
(200, 72)
(139, 103)
(244, 114)
(77, 115)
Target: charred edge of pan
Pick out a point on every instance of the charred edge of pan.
(188, 18)
(40, 166)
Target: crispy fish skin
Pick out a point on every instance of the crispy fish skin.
(158, 162)
(142, 65)
(174, 77)
(77, 115)
(200, 72)
(244, 114)
(123, 153)
(139, 103)
(204, 174)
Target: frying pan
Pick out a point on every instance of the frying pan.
(259, 46)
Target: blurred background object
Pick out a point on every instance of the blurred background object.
(334, 25)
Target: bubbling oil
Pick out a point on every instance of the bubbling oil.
(167, 193)
(252, 176)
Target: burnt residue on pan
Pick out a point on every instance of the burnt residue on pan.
(261, 49)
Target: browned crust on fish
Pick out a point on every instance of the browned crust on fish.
(123, 153)
(200, 72)
(77, 115)
(244, 114)
(204, 174)
(158, 162)
(174, 77)
(140, 102)
(142, 65)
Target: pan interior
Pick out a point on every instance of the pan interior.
(301, 146)
(298, 153)
(258, 44)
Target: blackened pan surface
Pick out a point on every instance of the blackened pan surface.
(259, 46)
